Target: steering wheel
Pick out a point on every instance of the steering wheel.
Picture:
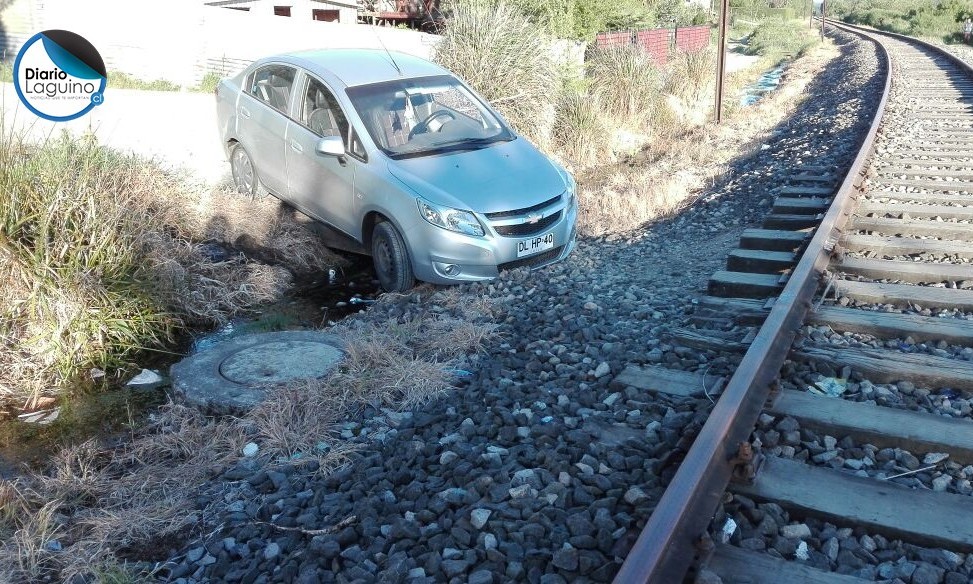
(433, 123)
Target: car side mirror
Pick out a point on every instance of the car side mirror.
(331, 146)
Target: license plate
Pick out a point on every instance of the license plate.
(526, 247)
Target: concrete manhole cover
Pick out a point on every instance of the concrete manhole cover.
(232, 375)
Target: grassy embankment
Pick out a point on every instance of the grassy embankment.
(623, 104)
(938, 20)
(102, 260)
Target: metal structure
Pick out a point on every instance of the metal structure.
(420, 14)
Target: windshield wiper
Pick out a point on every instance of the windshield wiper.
(465, 144)
(454, 146)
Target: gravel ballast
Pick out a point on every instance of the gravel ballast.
(536, 468)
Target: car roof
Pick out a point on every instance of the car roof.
(361, 66)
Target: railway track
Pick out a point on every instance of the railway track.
(841, 450)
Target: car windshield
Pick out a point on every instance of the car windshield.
(428, 115)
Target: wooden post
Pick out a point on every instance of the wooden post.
(721, 59)
(823, 14)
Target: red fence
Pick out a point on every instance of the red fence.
(659, 41)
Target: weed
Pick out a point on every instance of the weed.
(102, 259)
(97, 501)
(119, 80)
(208, 83)
(506, 59)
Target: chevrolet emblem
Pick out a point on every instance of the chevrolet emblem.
(533, 218)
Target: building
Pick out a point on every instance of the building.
(343, 11)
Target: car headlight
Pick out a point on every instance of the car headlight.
(570, 187)
(449, 218)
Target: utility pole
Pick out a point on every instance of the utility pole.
(823, 14)
(721, 59)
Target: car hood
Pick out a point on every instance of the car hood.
(501, 177)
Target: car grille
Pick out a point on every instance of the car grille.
(524, 229)
(533, 261)
(517, 212)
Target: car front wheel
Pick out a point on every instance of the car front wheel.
(391, 259)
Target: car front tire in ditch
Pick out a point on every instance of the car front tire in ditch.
(391, 259)
(245, 179)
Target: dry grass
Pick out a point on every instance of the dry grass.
(97, 501)
(100, 259)
(665, 177)
(506, 58)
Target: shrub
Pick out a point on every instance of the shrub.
(583, 132)
(72, 252)
(776, 40)
(629, 83)
(208, 83)
(506, 59)
(100, 259)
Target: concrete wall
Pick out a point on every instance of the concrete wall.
(181, 40)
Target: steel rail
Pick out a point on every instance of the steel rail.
(667, 546)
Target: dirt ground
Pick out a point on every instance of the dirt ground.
(178, 128)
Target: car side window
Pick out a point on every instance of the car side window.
(321, 113)
(272, 85)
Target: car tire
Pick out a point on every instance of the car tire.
(245, 178)
(391, 259)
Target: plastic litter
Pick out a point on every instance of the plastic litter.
(250, 450)
(829, 386)
(42, 417)
(147, 378)
(801, 553)
(729, 528)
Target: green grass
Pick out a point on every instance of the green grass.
(73, 249)
(941, 19)
(119, 80)
(209, 83)
(776, 40)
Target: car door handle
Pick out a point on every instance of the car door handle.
(244, 112)
(296, 147)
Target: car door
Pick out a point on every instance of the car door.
(263, 122)
(322, 185)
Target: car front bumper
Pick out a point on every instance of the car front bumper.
(447, 257)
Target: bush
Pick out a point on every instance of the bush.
(583, 133)
(209, 83)
(506, 59)
(99, 260)
(930, 19)
(72, 250)
(630, 85)
(776, 40)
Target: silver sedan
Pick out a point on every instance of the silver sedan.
(401, 160)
